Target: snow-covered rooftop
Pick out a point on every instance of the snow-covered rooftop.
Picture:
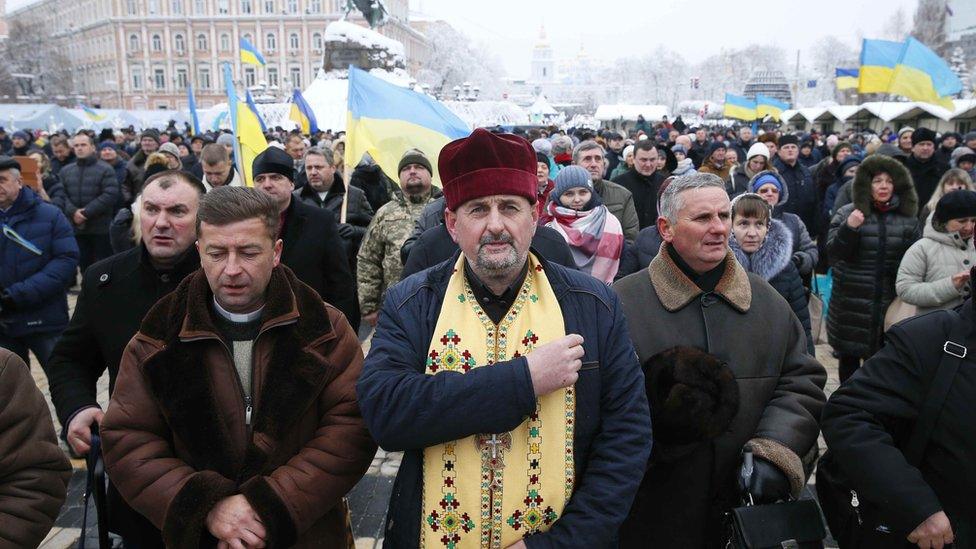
(542, 107)
(344, 31)
(630, 112)
(482, 114)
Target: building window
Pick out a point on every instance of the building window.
(153, 7)
(296, 77)
(317, 41)
(249, 77)
(182, 80)
(245, 6)
(315, 6)
(200, 7)
(157, 42)
(269, 6)
(292, 6)
(247, 36)
(179, 43)
(159, 78)
(223, 7)
(224, 42)
(271, 42)
(204, 78)
(176, 7)
(133, 42)
(202, 42)
(272, 76)
(293, 41)
(136, 78)
(132, 7)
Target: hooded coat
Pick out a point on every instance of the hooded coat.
(925, 274)
(772, 262)
(804, 248)
(865, 260)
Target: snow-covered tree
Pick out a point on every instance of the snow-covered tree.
(930, 24)
(958, 64)
(896, 27)
(30, 50)
(454, 59)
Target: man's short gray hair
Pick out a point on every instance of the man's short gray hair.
(671, 201)
(587, 145)
(324, 152)
(561, 144)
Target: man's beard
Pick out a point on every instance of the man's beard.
(497, 268)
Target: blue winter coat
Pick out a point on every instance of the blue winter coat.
(802, 192)
(37, 283)
(408, 410)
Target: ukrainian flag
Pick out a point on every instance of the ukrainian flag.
(247, 130)
(921, 75)
(385, 120)
(302, 114)
(250, 54)
(254, 109)
(767, 106)
(192, 100)
(846, 78)
(92, 114)
(739, 107)
(878, 60)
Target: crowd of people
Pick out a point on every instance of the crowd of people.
(611, 280)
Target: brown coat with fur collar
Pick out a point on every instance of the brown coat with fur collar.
(748, 325)
(175, 437)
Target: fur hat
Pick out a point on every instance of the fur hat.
(954, 205)
(693, 395)
(485, 164)
(788, 139)
(923, 134)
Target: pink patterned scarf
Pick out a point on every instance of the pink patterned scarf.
(594, 236)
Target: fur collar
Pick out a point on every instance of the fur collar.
(294, 316)
(675, 290)
(772, 257)
(904, 188)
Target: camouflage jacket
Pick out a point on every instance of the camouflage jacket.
(379, 265)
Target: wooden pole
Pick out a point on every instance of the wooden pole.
(346, 176)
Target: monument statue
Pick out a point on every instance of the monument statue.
(373, 11)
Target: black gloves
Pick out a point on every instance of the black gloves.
(345, 230)
(759, 478)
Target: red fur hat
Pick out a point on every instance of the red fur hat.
(485, 164)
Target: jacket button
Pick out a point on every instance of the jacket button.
(103, 278)
(164, 277)
(965, 262)
(707, 300)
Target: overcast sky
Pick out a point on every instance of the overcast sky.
(695, 28)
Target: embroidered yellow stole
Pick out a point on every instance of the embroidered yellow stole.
(490, 490)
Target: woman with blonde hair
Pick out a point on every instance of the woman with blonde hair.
(953, 180)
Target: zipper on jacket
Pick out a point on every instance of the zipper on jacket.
(855, 504)
(247, 410)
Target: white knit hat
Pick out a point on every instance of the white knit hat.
(758, 149)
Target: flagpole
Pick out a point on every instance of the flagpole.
(346, 175)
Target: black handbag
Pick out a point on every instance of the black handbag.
(857, 523)
(792, 524)
(95, 490)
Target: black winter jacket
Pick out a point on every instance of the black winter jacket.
(638, 255)
(90, 185)
(314, 251)
(925, 175)
(358, 211)
(773, 263)
(802, 192)
(873, 413)
(644, 189)
(865, 260)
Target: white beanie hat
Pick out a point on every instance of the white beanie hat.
(758, 149)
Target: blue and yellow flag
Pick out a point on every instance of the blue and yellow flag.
(192, 100)
(250, 54)
(767, 106)
(921, 75)
(846, 78)
(254, 108)
(878, 60)
(739, 107)
(247, 130)
(302, 114)
(386, 120)
(92, 114)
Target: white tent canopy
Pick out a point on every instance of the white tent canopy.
(606, 113)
